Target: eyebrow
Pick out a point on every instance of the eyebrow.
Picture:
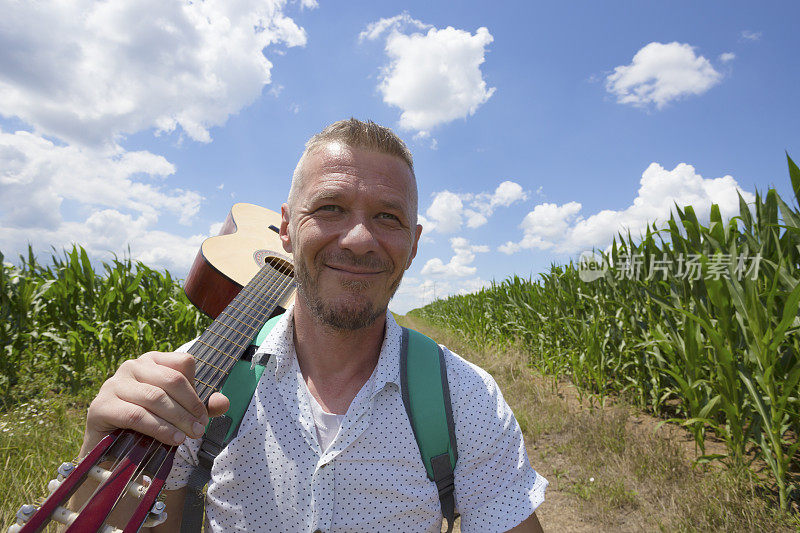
(324, 195)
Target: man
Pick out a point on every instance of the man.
(326, 444)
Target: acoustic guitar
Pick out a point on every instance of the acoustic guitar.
(240, 278)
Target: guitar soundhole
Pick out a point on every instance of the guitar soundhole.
(281, 264)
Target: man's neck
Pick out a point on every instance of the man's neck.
(335, 363)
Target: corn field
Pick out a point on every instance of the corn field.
(697, 324)
(64, 326)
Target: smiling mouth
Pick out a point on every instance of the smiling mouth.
(355, 271)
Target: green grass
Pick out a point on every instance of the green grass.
(35, 438)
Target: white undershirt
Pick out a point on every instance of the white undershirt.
(327, 424)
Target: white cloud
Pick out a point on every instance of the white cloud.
(459, 264)
(85, 74)
(434, 78)
(749, 35)
(396, 23)
(56, 195)
(447, 211)
(561, 227)
(661, 73)
(89, 72)
(727, 56)
(414, 292)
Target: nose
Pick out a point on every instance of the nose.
(358, 238)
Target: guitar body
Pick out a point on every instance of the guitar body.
(227, 262)
(240, 278)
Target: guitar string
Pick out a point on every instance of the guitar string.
(266, 301)
(215, 343)
(136, 473)
(284, 270)
(120, 456)
(266, 309)
(206, 374)
(273, 291)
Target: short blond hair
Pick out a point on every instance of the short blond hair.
(355, 134)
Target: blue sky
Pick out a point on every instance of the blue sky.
(538, 130)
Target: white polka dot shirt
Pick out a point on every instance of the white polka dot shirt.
(274, 476)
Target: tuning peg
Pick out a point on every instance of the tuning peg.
(23, 515)
(66, 469)
(157, 515)
(53, 485)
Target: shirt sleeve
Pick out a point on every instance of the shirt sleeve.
(495, 486)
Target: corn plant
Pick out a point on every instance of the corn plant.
(717, 351)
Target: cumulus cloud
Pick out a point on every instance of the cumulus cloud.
(88, 72)
(83, 74)
(448, 211)
(459, 265)
(661, 73)
(435, 77)
(397, 23)
(563, 229)
(56, 194)
(415, 292)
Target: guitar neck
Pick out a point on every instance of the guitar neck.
(222, 344)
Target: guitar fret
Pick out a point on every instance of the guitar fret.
(243, 312)
(217, 350)
(212, 365)
(247, 306)
(239, 321)
(234, 329)
(225, 338)
(204, 383)
(248, 295)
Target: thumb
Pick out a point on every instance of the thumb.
(218, 404)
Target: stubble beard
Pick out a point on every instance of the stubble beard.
(356, 313)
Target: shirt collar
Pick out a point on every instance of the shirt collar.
(280, 344)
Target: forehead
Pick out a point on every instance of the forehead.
(337, 167)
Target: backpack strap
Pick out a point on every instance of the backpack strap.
(426, 396)
(239, 388)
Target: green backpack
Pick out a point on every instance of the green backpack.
(426, 397)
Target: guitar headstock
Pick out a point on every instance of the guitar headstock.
(131, 484)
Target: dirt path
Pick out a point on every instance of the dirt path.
(613, 468)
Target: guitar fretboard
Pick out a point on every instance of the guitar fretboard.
(222, 344)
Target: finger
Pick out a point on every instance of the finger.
(218, 404)
(162, 405)
(180, 361)
(143, 421)
(107, 413)
(174, 382)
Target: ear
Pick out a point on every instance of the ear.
(284, 232)
(411, 257)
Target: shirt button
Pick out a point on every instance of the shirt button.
(318, 531)
(323, 465)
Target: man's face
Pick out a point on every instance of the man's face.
(352, 233)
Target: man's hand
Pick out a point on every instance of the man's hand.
(153, 395)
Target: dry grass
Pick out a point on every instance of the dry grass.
(608, 466)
